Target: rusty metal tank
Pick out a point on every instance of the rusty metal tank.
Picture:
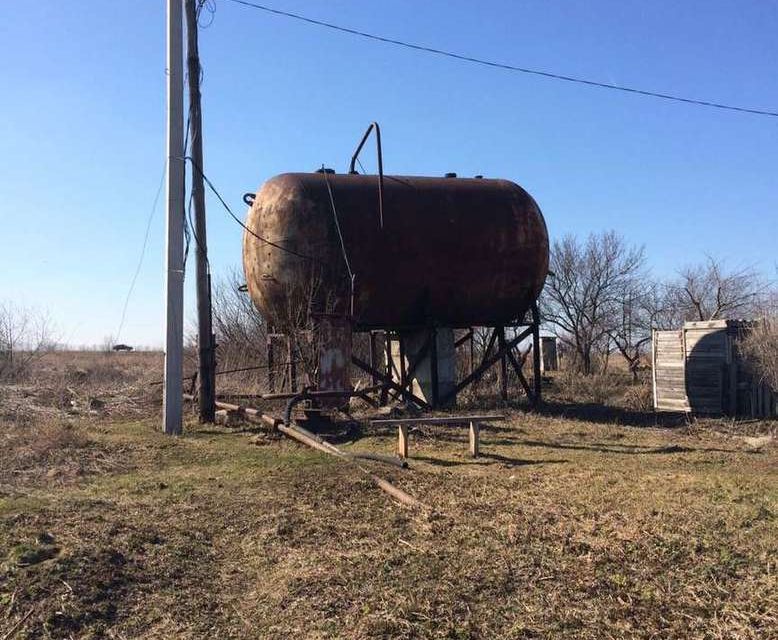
(449, 252)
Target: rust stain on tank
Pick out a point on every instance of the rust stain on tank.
(453, 252)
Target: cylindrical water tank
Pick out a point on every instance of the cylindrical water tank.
(452, 252)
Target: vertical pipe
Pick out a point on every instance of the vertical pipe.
(472, 349)
(373, 356)
(271, 377)
(388, 355)
(537, 381)
(403, 370)
(174, 228)
(292, 364)
(434, 367)
(503, 364)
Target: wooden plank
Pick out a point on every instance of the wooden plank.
(698, 342)
(675, 375)
(669, 373)
(673, 405)
(402, 441)
(672, 379)
(475, 430)
(653, 364)
(706, 324)
(671, 385)
(668, 391)
(438, 420)
(672, 397)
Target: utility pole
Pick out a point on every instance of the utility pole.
(174, 228)
(205, 341)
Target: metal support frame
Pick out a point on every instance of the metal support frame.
(389, 383)
(503, 355)
(499, 349)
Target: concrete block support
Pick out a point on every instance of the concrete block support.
(405, 356)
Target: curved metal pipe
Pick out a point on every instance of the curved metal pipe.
(352, 169)
(303, 395)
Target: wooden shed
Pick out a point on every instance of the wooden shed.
(698, 369)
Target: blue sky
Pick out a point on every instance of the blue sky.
(82, 128)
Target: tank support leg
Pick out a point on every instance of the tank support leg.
(373, 357)
(271, 381)
(503, 364)
(292, 364)
(489, 359)
(537, 380)
(388, 356)
(433, 340)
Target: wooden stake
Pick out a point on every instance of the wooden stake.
(402, 441)
(475, 444)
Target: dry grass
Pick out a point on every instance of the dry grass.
(560, 530)
(565, 527)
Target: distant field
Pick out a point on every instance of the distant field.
(569, 526)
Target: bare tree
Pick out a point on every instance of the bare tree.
(240, 329)
(642, 305)
(25, 335)
(709, 291)
(587, 289)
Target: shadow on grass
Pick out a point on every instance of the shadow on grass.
(484, 459)
(591, 412)
(627, 449)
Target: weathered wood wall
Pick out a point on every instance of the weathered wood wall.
(698, 369)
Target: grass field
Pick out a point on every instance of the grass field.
(564, 528)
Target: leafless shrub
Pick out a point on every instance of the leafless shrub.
(760, 348)
(638, 397)
(297, 317)
(600, 388)
(25, 336)
(241, 331)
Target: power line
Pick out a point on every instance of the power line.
(142, 251)
(236, 219)
(506, 67)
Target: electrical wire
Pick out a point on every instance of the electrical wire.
(238, 220)
(210, 7)
(188, 221)
(340, 236)
(337, 224)
(142, 251)
(506, 67)
(242, 369)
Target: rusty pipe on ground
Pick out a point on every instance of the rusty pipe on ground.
(296, 433)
